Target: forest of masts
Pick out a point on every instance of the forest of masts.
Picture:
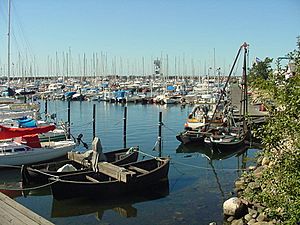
(95, 65)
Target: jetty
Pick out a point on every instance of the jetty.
(11, 212)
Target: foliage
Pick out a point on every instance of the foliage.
(261, 70)
(280, 182)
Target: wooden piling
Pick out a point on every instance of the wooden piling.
(69, 119)
(125, 127)
(46, 106)
(159, 134)
(94, 121)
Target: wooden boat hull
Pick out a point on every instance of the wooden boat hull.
(41, 172)
(71, 186)
(226, 146)
(188, 137)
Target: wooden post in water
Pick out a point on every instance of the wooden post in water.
(69, 119)
(94, 121)
(159, 134)
(124, 128)
(46, 106)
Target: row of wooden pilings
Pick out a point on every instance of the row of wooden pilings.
(160, 124)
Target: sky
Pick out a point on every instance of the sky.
(125, 36)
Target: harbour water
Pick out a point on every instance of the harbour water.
(194, 193)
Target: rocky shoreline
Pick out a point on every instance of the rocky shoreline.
(238, 210)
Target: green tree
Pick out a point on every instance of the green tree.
(261, 70)
(280, 135)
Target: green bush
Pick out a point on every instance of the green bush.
(280, 181)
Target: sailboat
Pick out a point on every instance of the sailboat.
(22, 146)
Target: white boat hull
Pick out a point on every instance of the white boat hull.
(37, 154)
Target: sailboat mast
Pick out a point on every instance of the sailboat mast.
(8, 44)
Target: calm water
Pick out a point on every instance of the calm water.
(195, 190)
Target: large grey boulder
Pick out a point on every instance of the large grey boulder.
(234, 207)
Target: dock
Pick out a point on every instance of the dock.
(254, 113)
(13, 213)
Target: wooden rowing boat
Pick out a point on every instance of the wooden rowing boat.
(79, 162)
(104, 184)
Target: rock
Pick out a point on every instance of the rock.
(234, 207)
(251, 222)
(212, 223)
(253, 185)
(265, 161)
(261, 223)
(237, 222)
(261, 217)
(258, 171)
(252, 211)
(244, 201)
(251, 167)
(239, 185)
(230, 218)
(248, 217)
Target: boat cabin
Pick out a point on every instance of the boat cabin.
(13, 148)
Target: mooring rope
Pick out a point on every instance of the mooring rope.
(173, 131)
(81, 125)
(205, 168)
(149, 155)
(144, 153)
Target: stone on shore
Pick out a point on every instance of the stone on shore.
(234, 207)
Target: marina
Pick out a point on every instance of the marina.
(191, 172)
(164, 167)
(145, 113)
(152, 127)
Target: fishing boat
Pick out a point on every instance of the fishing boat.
(91, 184)
(77, 162)
(22, 146)
(201, 115)
(225, 142)
(232, 135)
(192, 136)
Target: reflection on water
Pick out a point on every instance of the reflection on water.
(10, 182)
(122, 205)
(213, 155)
(11, 185)
(210, 153)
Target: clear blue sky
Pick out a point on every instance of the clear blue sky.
(132, 29)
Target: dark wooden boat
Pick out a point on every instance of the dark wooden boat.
(92, 184)
(195, 136)
(191, 136)
(40, 173)
(225, 142)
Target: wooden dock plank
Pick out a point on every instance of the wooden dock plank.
(11, 212)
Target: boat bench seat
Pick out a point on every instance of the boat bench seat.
(116, 172)
(92, 179)
(140, 170)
